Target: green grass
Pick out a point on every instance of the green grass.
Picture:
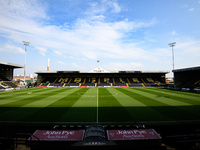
(99, 106)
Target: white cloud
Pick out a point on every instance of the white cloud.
(22, 9)
(89, 37)
(75, 65)
(173, 32)
(57, 52)
(42, 50)
(12, 49)
(61, 62)
(188, 47)
(98, 8)
(85, 37)
(123, 66)
(114, 6)
(191, 9)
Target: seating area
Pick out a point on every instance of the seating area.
(2, 78)
(5, 83)
(195, 83)
(98, 82)
(1, 87)
(8, 84)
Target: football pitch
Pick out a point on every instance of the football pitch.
(152, 106)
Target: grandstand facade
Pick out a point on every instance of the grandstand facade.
(187, 78)
(101, 78)
(6, 74)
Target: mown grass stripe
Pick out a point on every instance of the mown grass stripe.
(181, 98)
(57, 110)
(181, 92)
(84, 109)
(46, 101)
(166, 100)
(14, 99)
(16, 112)
(17, 92)
(87, 99)
(125, 99)
(28, 98)
(178, 96)
(110, 110)
(106, 99)
(146, 113)
(183, 112)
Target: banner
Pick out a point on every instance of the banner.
(139, 134)
(58, 135)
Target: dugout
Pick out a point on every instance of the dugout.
(187, 78)
(101, 78)
(6, 70)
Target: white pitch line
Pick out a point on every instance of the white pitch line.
(97, 107)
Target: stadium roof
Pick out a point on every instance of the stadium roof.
(99, 70)
(187, 69)
(6, 64)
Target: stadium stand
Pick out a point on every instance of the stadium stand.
(6, 74)
(187, 78)
(9, 84)
(1, 86)
(101, 79)
(2, 78)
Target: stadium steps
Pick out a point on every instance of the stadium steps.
(95, 134)
(99, 81)
(113, 80)
(128, 81)
(49, 84)
(197, 82)
(84, 80)
(21, 144)
(10, 84)
(70, 80)
(41, 80)
(143, 81)
(5, 84)
(150, 80)
(64, 85)
(127, 85)
(61, 79)
(159, 84)
(66, 79)
(2, 86)
(135, 80)
(143, 85)
(55, 81)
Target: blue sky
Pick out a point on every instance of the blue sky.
(122, 34)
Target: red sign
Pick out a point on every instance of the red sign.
(58, 135)
(139, 134)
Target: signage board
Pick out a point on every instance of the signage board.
(58, 135)
(138, 134)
